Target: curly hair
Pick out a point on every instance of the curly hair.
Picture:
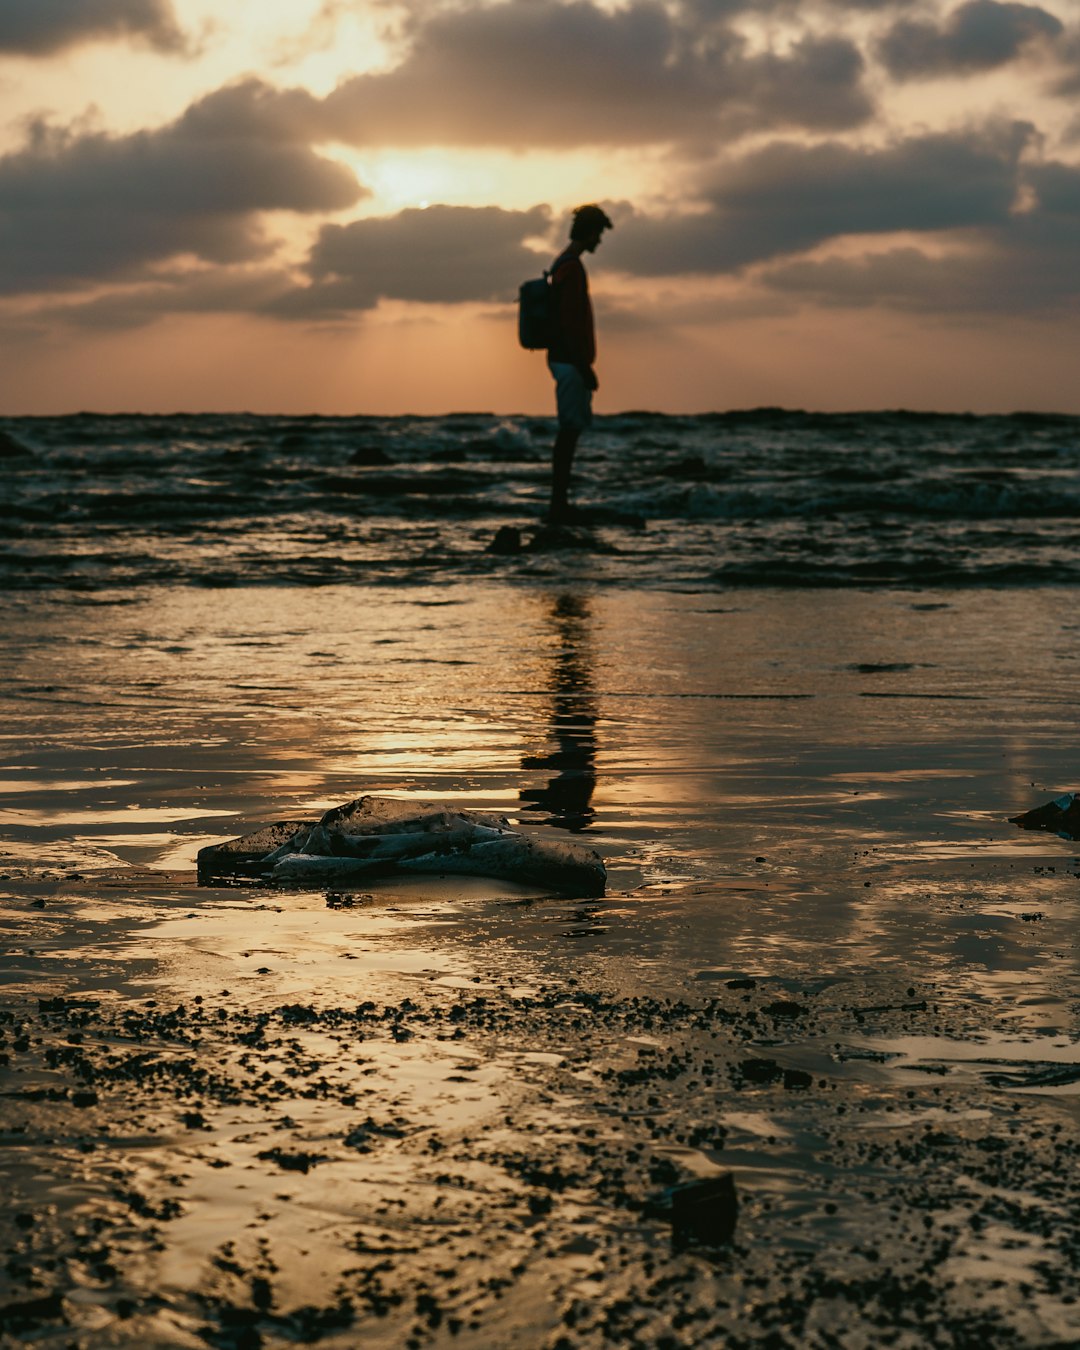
(589, 220)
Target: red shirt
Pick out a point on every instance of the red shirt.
(575, 339)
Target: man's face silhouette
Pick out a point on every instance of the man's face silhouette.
(592, 240)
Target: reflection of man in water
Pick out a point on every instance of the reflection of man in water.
(567, 796)
(573, 349)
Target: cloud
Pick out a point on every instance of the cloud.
(788, 197)
(1057, 188)
(979, 35)
(211, 290)
(41, 27)
(1028, 267)
(1067, 83)
(441, 255)
(776, 202)
(86, 206)
(526, 75)
(764, 209)
(1025, 263)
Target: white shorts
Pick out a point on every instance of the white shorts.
(573, 397)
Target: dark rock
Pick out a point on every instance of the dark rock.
(567, 538)
(797, 1080)
(741, 984)
(292, 1162)
(370, 456)
(10, 448)
(507, 540)
(705, 1212)
(339, 900)
(383, 836)
(692, 467)
(84, 1097)
(784, 1008)
(361, 1137)
(1061, 816)
(759, 1070)
(24, 1315)
(242, 857)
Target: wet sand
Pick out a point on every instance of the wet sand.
(457, 1112)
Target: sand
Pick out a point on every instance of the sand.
(455, 1112)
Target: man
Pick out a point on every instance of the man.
(572, 350)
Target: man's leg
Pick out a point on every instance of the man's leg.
(562, 461)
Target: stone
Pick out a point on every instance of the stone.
(243, 857)
(705, 1212)
(370, 456)
(384, 836)
(1061, 816)
(507, 540)
(759, 1070)
(692, 467)
(10, 448)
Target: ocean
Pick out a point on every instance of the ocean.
(792, 692)
(759, 498)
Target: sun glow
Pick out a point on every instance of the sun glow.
(401, 181)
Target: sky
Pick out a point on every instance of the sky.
(327, 206)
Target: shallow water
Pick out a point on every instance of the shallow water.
(811, 743)
(826, 962)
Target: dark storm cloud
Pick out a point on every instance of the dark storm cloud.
(78, 207)
(979, 35)
(40, 27)
(1026, 263)
(788, 197)
(1029, 266)
(524, 75)
(1068, 82)
(441, 255)
(1057, 188)
(207, 291)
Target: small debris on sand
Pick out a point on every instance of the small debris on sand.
(705, 1211)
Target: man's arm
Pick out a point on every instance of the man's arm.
(575, 318)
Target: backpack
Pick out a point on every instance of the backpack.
(536, 319)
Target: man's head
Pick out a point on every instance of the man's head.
(588, 224)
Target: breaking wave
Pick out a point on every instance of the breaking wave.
(764, 497)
